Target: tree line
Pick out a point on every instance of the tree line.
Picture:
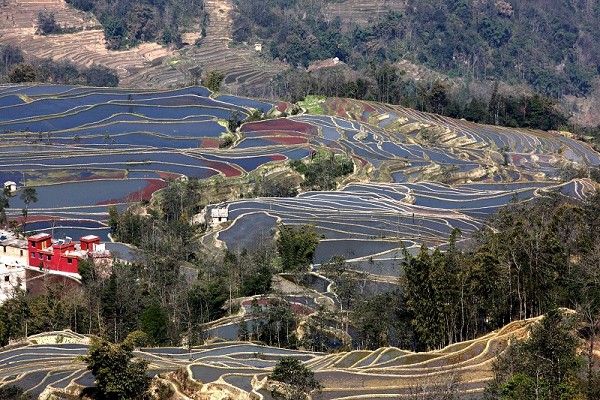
(14, 68)
(386, 83)
(127, 23)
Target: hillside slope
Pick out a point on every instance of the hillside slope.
(550, 47)
(148, 65)
(140, 66)
(245, 72)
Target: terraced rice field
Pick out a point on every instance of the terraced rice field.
(244, 70)
(148, 65)
(86, 148)
(367, 223)
(141, 66)
(239, 368)
(360, 12)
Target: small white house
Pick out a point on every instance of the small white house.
(219, 214)
(10, 186)
(258, 47)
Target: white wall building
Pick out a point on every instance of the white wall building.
(219, 214)
(13, 260)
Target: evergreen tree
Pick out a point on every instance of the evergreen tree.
(292, 380)
(117, 375)
(296, 247)
(544, 366)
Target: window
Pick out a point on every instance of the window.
(69, 261)
(48, 257)
(32, 243)
(7, 278)
(4, 248)
(41, 255)
(21, 253)
(32, 255)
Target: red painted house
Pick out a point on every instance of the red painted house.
(62, 255)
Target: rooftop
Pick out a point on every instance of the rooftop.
(219, 212)
(40, 236)
(10, 239)
(90, 237)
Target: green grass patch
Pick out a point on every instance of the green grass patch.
(313, 104)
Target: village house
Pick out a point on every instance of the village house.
(219, 214)
(10, 187)
(24, 261)
(64, 255)
(13, 263)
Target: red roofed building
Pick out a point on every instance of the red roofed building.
(63, 255)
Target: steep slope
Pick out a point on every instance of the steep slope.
(361, 12)
(245, 72)
(140, 66)
(148, 65)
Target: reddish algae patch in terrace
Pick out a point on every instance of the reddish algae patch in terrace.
(369, 108)
(343, 105)
(282, 106)
(143, 194)
(227, 169)
(210, 143)
(282, 124)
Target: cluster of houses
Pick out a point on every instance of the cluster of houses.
(23, 261)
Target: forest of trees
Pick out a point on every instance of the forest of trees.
(128, 22)
(551, 46)
(550, 49)
(545, 365)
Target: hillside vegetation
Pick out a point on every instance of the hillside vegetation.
(553, 46)
(14, 69)
(127, 23)
(538, 46)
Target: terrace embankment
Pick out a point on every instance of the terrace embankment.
(245, 71)
(147, 65)
(140, 66)
(361, 12)
(238, 369)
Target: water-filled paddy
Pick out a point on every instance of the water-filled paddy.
(248, 231)
(142, 137)
(74, 194)
(246, 102)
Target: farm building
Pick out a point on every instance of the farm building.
(10, 186)
(219, 214)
